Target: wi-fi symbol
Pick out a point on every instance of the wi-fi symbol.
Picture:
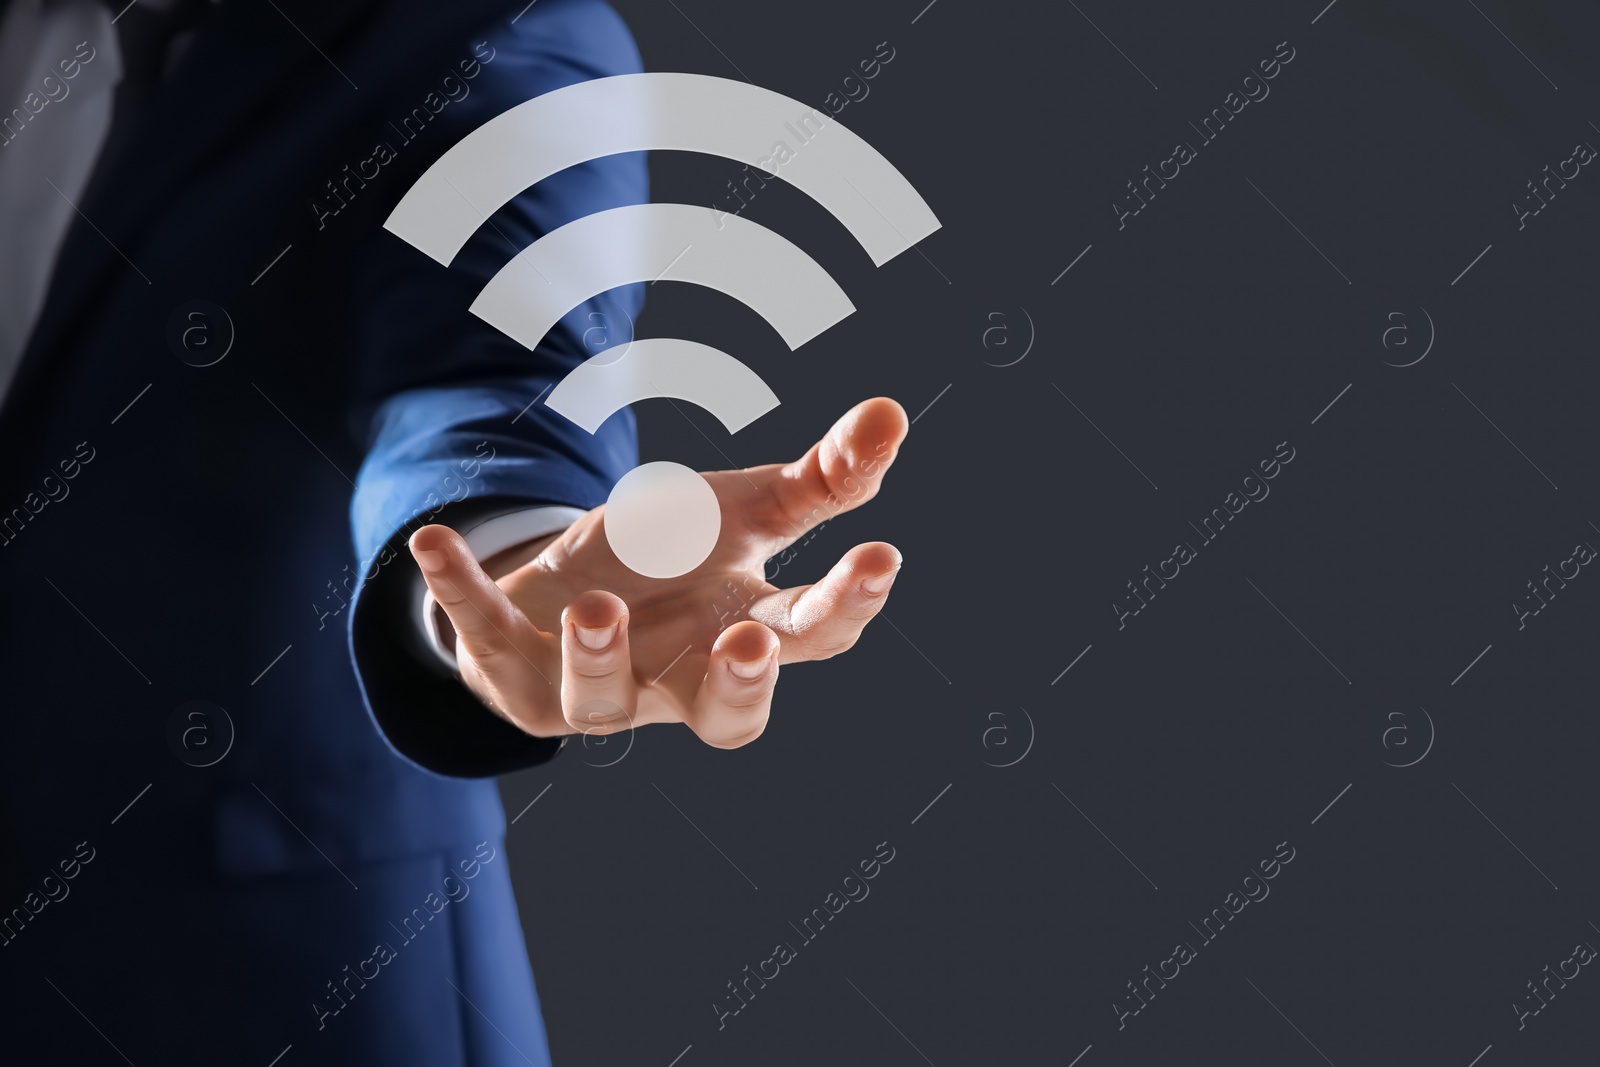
(662, 519)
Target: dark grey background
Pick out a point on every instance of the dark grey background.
(1210, 729)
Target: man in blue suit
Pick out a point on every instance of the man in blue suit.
(235, 829)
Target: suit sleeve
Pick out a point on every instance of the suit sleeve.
(447, 406)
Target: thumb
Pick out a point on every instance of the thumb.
(487, 623)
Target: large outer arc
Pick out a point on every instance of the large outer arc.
(661, 242)
(662, 111)
(663, 367)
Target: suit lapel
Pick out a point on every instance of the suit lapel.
(222, 82)
(249, 58)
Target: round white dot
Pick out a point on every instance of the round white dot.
(662, 520)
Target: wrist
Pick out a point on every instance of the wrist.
(502, 563)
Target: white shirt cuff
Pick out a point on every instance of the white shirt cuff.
(488, 537)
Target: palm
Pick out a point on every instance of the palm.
(678, 650)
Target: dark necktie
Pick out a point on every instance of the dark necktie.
(145, 37)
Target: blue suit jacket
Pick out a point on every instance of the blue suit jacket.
(235, 534)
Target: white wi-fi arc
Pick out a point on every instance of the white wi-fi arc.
(662, 519)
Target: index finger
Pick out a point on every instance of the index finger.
(837, 474)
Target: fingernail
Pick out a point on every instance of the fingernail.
(750, 669)
(429, 559)
(879, 584)
(596, 638)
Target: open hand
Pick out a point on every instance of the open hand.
(568, 639)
